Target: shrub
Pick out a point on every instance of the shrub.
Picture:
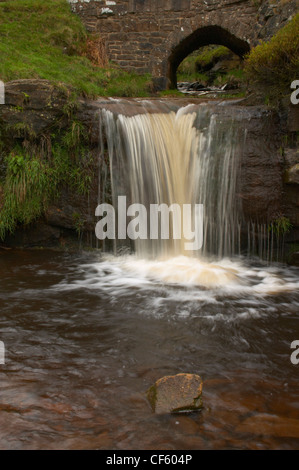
(272, 66)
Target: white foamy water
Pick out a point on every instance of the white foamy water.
(188, 156)
(186, 281)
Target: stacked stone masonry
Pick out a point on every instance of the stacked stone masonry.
(154, 36)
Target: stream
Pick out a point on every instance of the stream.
(87, 334)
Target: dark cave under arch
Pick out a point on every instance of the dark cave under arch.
(199, 38)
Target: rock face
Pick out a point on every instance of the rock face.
(36, 104)
(271, 16)
(268, 183)
(34, 114)
(154, 36)
(176, 394)
(261, 188)
(291, 186)
(292, 174)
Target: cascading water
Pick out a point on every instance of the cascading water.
(87, 334)
(179, 158)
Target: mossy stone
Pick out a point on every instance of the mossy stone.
(179, 393)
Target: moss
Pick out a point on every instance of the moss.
(198, 66)
(196, 406)
(271, 66)
(188, 70)
(210, 55)
(152, 396)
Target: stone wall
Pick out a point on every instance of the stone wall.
(154, 36)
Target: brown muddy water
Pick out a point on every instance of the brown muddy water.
(85, 336)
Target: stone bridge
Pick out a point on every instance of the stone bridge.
(156, 35)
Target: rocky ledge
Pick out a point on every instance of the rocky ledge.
(37, 109)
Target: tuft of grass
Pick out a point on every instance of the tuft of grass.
(272, 66)
(32, 180)
(280, 226)
(170, 93)
(209, 55)
(26, 191)
(44, 39)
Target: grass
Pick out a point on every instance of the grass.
(44, 39)
(33, 179)
(171, 93)
(272, 66)
(209, 55)
(196, 67)
(25, 191)
(187, 70)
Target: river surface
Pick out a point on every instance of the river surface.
(86, 336)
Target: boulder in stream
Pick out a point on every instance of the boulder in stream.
(179, 393)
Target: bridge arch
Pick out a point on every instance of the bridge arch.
(202, 37)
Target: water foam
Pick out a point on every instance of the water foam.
(192, 276)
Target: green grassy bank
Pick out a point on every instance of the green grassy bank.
(44, 39)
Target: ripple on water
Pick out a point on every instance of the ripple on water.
(86, 341)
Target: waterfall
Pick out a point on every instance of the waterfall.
(185, 156)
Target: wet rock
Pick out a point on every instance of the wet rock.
(226, 63)
(196, 86)
(292, 175)
(35, 104)
(271, 17)
(33, 235)
(233, 84)
(179, 393)
(293, 118)
(294, 259)
(291, 156)
(291, 202)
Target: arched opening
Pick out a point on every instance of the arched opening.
(199, 38)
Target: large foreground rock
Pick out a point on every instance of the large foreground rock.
(176, 394)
